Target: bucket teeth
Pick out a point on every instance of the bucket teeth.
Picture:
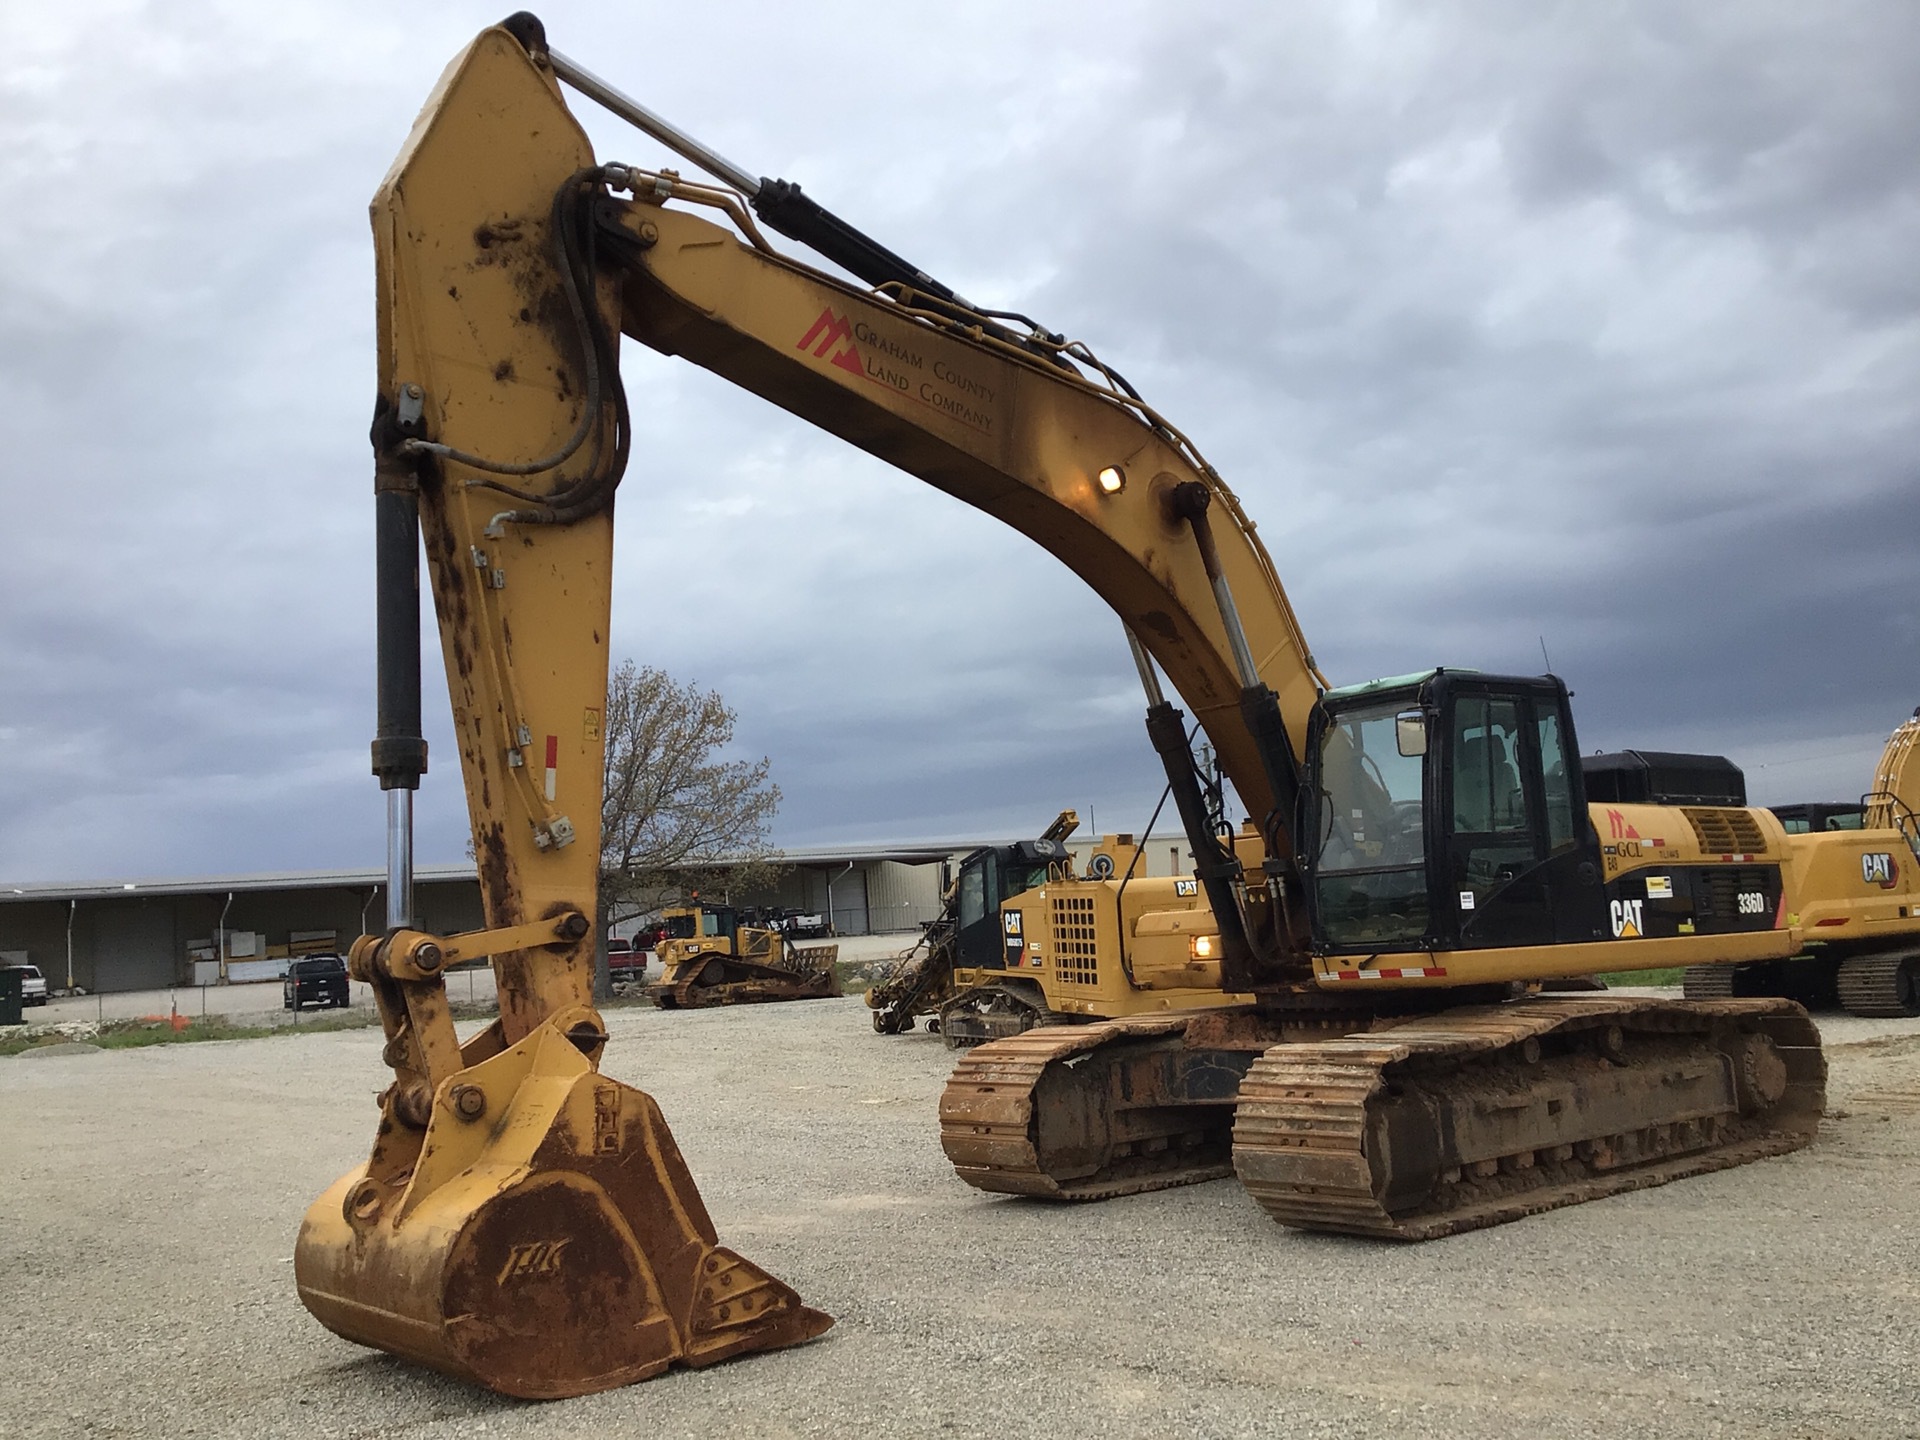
(738, 1305)
(560, 1249)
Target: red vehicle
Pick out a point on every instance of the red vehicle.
(623, 961)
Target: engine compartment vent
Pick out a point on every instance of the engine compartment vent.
(1727, 832)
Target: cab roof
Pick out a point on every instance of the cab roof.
(1390, 682)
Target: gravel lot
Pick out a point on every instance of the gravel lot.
(151, 1199)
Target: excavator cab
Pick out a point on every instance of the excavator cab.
(1446, 811)
(988, 878)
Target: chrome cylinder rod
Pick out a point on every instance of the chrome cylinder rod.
(637, 115)
(1149, 678)
(399, 859)
(1193, 504)
(1236, 632)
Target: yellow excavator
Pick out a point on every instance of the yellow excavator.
(712, 957)
(1851, 871)
(976, 979)
(1420, 848)
(1859, 948)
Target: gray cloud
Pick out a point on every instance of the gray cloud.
(1591, 323)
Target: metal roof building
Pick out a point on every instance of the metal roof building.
(146, 934)
(117, 935)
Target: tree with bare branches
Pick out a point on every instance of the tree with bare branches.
(675, 807)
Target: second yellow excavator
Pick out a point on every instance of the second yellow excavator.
(1852, 895)
(1421, 851)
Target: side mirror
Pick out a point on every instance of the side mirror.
(1410, 733)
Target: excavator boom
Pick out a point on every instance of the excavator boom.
(523, 1221)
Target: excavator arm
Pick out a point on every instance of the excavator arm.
(523, 1220)
(504, 279)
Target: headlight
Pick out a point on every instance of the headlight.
(1112, 480)
(1202, 947)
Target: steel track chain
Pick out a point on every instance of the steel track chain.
(1300, 1127)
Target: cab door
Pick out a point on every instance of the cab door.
(977, 938)
(1518, 865)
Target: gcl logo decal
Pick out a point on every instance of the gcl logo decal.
(828, 331)
(1879, 869)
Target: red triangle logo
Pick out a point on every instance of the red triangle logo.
(826, 332)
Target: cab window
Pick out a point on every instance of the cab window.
(973, 895)
(1489, 797)
(1558, 781)
(1370, 871)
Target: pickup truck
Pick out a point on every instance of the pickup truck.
(33, 985)
(315, 980)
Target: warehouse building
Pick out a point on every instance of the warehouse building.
(150, 934)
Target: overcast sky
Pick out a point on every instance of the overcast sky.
(1597, 324)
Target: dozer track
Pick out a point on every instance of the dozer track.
(729, 980)
(1045, 1114)
(1482, 1115)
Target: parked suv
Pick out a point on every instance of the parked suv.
(33, 985)
(314, 980)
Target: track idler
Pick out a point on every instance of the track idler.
(543, 1239)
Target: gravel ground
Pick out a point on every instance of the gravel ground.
(151, 1199)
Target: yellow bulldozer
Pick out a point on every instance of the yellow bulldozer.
(711, 956)
(1421, 851)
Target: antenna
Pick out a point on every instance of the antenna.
(1543, 654)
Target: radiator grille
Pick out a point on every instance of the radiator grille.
(1726, 832)
(1717, 890)
(1076, 956)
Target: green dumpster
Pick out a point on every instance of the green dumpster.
(11, 981)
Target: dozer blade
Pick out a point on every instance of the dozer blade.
(547, 1242)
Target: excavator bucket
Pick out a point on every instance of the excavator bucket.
(546, 1242)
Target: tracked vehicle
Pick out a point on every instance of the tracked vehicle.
(1855, 883)
(710, 957)
(1421, 850)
